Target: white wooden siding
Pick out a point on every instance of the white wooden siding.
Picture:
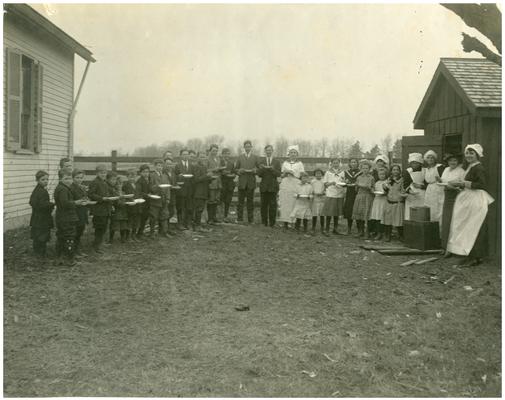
(58, 90)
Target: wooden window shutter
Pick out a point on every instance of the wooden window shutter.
(14, 85)
(37, 107)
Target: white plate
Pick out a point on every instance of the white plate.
(379, 193)
(165, 185)
(442, 183)
(230, 176)
(187, 175)
(180, 183)
(127, 196)
(341, 183)
(112, 198)
(139, 201)
(303, 196)
(154, 196)
(90, 203)
(176, 187)
(131, 203)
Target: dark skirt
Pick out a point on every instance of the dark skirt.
(480, 247)
(449, 199)
(350, 196)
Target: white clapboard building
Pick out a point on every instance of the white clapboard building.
(39, 104)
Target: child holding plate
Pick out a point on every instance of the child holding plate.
(364, 198)
(99, 191)
(79, 192)
(376, 220)
(302, 210)
(133, 209)
(395, 207)
(318, 201)
(335, 193)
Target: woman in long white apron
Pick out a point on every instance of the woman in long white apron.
(434, 196)
(290, 173)
(468, 232)
(413, 183)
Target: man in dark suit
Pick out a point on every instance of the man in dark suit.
(269, 170)
(184, 173)
(246, 167)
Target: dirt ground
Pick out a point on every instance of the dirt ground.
(325, 318)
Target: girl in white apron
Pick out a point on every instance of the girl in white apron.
(291, 169)
(468, 232)
(434, 196)
(413, 183)
(453, 172)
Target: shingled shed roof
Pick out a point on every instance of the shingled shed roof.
(477, 81)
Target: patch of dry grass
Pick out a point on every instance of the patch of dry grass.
(325, 319)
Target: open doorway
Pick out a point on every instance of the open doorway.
(452, 143)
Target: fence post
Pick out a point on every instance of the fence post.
(113, 155)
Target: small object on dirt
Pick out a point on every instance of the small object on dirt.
(407, 315)
(409, 262)
(242, 307)
(80, 326)
(329, 358)
(389, 273)
(312, 374)
(468, 288)
(355, 252)
(480, 359)
(488, 283)
(336, 393)
(365, 258)
(434, 277)
(484, 378)
(195, 239)
(322, 253)
(414, 353)
(427, 260)
(478, 291)
(234, 238)
(352, 334)
(398, 292)
(439, 315)
(16, 319)
(450, 279)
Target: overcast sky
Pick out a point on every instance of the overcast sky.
(175, 71)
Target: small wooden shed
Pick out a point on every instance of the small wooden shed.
(461, 106)
(39, 104)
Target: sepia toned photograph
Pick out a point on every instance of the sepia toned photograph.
(252, 200)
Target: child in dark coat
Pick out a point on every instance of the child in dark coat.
(99, 191)
(133, 211)
(158, 201)
(142, 186)
(119, 215)
(41, 221)
(227, 181)
(201, 190)
(79, 192)
(66, 217)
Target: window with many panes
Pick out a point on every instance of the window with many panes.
(24, 103)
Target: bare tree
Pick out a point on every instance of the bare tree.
(281, 146)
(386, 143)
(486, 18)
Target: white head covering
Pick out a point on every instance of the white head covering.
(293, 147)
(477, 148)
(418, 157)
(381, 157)
(430, 153)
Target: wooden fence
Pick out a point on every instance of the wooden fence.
(121, 164)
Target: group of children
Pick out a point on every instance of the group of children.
(374, 198)
(124, 205)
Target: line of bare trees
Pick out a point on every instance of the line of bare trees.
(337, 147)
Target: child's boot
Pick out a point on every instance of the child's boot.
(400, 233)
(366, 234)
(380, 231)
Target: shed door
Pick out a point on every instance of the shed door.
(420, 144)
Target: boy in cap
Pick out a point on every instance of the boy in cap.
(158, 207)
(142, 187)
(99, 191)
(41, 221)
